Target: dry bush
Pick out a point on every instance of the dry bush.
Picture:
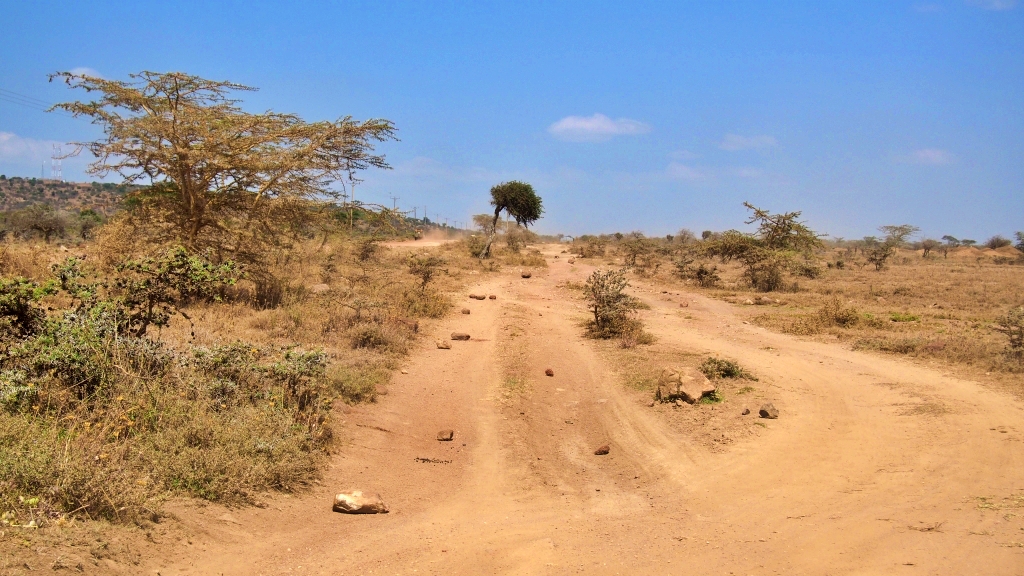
(589, 246)
(938, 308)
(102, 427)
(832, 314)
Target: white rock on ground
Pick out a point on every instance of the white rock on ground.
(356, 502)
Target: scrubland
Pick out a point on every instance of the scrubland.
(226, 396)
(950, 309)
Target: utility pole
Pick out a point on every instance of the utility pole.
(56, 172)
(394, 200)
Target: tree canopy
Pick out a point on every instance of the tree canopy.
(217, 177)
(518, 200)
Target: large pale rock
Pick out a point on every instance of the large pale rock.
(356, 502)
(444, 345)
(768, 411)
(687, 384)
(319, 288)
(460, 336)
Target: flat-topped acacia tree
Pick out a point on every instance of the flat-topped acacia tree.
(214, 176)
(518, 200)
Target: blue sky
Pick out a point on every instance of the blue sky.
(625, 116)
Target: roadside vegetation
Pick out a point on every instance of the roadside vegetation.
(952, 300)
(196, 341)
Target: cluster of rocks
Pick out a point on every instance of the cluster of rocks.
(689, 385)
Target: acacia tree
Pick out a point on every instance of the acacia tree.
(896, 235)
(769, 251)
(215, 176)
(41, 218)
(518, 200)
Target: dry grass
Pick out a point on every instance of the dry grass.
(931, 309)
(165, 421)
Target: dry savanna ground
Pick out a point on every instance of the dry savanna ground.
(898, 447)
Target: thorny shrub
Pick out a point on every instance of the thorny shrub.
(589, 246)
(703, 274)
(612, 308)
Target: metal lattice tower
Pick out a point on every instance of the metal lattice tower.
(55, 163)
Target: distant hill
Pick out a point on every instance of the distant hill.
(16, 193)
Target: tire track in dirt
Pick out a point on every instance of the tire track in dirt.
(855, 477)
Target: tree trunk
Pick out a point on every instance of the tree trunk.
(486, 252)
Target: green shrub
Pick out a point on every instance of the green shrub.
(903, 317)
(611, 306)
(100, 422)
(19, 314)
(717, 368)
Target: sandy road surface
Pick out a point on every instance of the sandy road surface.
(874, 466)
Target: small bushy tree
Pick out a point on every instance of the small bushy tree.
(425, 267)
(997, 241)
(927, 245)
(607, 301)
(518, 200)
(895, 236)
(768, 252)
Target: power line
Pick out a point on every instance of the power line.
(12, 97)
(24, 97)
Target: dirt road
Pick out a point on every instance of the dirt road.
(875, 466)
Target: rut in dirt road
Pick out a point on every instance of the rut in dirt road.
(874, 466)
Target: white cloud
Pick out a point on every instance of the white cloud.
(997, 5)
(677, 171)
(596, 128)
(931, 157)
(86, 71)
(735, 142)
(14, 147)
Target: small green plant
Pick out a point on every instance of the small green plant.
(903, 317)
(611, 306)
(745, 390)
(712, 398)
(717, 368)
